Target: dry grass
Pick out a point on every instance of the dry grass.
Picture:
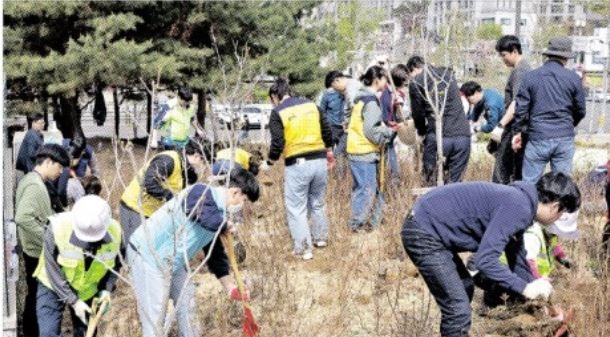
(362, 284)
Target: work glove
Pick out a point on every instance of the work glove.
(330, 160)
(496, 134)
(566, 262)
(264, 166)
(101, 297)
(538, 288)
(81, 309)
(235, 295)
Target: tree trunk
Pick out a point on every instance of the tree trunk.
(99, 107)
(149, 111)
(70, 118)
(115, 99)
(201, 107)
(44, 102)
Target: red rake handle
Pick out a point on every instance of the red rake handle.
(249, 327)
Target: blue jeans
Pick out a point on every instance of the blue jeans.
(50, 310)
(559, 152)
(304, 192)
(149, 284)
(445, 275)
(367, 201)
(340, 150)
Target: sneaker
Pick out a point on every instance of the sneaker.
(303, 256)
(320, 243)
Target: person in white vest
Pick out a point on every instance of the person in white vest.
(80, 250)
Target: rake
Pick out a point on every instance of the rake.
(249, 326)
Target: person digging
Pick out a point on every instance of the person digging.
(80, 249)
(487, 219)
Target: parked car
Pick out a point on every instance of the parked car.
(257, 115)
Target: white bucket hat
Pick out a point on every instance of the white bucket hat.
(91, 218)
(566, 226)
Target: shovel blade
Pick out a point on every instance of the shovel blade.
(250, 328)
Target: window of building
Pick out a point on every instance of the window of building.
(523, 22)
(505, 21)
(487, 21)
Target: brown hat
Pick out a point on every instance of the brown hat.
(560, 46)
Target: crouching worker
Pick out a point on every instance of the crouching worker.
(80, 248)
(241, 159)
(542, 249)
(171, 237)
(486, 219)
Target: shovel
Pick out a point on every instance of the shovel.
(97, 310)
(249, 326)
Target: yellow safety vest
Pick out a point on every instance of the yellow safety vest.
(242, 157)
(178, 122)
(302, 131)
(357, 143)
(133, 192)
(72, 258)
(545, 261)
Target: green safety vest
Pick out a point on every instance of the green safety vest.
(72, 258)
(545, 260)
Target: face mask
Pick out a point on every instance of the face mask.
(233, 209)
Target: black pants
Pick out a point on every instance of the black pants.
(456, 151)
(509, 163)
(30, 320)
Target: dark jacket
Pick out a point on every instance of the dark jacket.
(484, 218)
(455, 123)
(550, 102)
(160, 168)
(26, 158)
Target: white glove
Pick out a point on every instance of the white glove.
(81, 309)
(264, 166)
(103, 294)
(496, 134)
(538, 288)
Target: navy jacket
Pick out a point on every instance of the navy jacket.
(26, 158)
(550, 102)
(483, 218)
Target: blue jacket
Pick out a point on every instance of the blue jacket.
(550, 102)
(332, 107)
(26, 158)
(483, 218)
(182, 227)
(84, 160)
(492, 108)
